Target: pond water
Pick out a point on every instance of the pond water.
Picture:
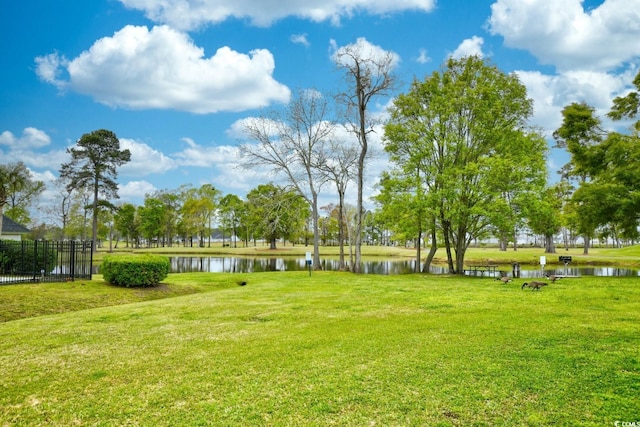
(183, 264)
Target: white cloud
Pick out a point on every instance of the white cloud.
(25, 148)
(134, 191)
(366, 51)
(238, 131)
(552, 93)
(191, 14)
(423, 58)
(49, 67)
(300, 39)
(144, 159)
(206, 156)
(31, 138)
(161, 68)
(564, 34)
(469, 47)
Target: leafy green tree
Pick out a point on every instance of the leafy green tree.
(606, 164)
(628, 106)
(518, 174)
(172, 200)
(277, 212)
(456, 128)
(198, 211)
(15, 179)
(231, 208)
(151, 218)
(93, 166)
(126, 222)
(402, 205)
(543, 215)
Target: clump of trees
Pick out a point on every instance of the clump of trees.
(602, 173)
(93, 168)
(465, 162)
(465, 166)
(18, 190)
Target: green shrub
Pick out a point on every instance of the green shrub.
(26, 257)
(135, 270)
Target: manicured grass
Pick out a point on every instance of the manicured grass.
(331, 349)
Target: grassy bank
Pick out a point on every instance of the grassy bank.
(330, 349)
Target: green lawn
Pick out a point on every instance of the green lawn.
(330, 349)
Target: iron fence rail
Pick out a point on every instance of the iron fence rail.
(44, 261)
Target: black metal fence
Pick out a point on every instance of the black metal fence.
(44, 261)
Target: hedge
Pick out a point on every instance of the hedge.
(22, 257)
(135, 270)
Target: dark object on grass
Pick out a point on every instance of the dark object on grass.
(534, 285)
(552, 277)
(243, 283)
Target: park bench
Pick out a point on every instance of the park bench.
(474, 270)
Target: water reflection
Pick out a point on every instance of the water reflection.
(184, 264)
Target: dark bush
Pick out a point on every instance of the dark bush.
(26, 257)
(135, 270)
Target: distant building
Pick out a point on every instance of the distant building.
(11, 230)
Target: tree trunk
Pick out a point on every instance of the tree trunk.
(447, 244)
(460, 249)
(94, 227)
(549, 246)
(433, 249)
(316, 233)
(341, 265)
(587, 244)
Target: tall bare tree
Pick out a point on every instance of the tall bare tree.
(339, 168)
(368, 73)
(293, 142)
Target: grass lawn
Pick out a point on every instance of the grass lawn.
(330, 349)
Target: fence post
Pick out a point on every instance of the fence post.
(72, 261)
(35, 259)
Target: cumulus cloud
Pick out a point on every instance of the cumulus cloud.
(191, 14)
(568, 36)
(135, 190)
(145, 160)
(369, 53)
(469, 47)
(552, 93)
(196, 155)
(162, 68)
(30, 138)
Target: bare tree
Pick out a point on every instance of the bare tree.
(339, 168)
(60, 208)
(293, 143)
(368, 74)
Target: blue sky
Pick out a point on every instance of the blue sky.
(175, 78)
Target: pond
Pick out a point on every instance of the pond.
(188, 264)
